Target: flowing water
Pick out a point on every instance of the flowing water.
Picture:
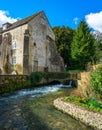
(32, 109)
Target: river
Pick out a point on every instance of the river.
(32, 109)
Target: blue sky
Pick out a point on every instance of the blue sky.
(59, 12)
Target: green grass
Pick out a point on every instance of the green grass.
(90, 103)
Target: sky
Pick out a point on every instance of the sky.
(59, 12)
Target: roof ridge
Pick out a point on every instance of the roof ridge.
(22, 21)
(28, 17)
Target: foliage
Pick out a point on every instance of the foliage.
(57, 75)
(63, 39)
(96, 81)
(12, 83)
(82, 47)
(90, 103)
(36, 77)
(98, 49)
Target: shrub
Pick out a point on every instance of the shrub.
(96, 81)
(93, 103)
(12, 83)
(36, 77)
(56, 75)
(90, 103)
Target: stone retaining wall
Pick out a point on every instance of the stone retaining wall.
(93, 119)
(10, 83)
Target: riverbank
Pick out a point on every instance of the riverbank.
(92, 119)
(32, 109)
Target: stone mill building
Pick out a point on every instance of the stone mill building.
(28, 45)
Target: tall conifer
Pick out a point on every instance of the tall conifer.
(82, 48)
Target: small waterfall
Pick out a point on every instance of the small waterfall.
(70, 83)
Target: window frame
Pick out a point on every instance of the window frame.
(13, 45)
(14, 60)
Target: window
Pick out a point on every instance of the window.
(11, 52)
(35, 65)
(4, 27)
(13, 60)
(13, 45)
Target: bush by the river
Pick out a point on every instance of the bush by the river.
(96, 81)
(12, 83)
(90, 103)
(36, 77)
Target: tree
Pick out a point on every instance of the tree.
(98, 47)
(82, 48)
(63, 39)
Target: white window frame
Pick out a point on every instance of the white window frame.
(4, 27)
(13, 60)
(13, 45)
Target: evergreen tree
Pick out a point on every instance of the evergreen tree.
(63, 38)
(82, 48)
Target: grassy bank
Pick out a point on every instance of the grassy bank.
(90, 103)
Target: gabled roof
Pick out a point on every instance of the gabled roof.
(22, 22)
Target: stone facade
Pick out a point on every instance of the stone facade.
(90, 118)
(28, 45)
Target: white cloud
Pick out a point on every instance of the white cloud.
(76, 20)
(94, 20)
(4, 17)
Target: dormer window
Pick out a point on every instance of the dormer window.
(6, 26)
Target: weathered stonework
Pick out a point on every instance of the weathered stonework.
(83, 86)
(93, 119)
(35, 48)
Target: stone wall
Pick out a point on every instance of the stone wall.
(10, 83)
(39, 43)
(93, 119)
(42, 45)
(17, 36)
(83, 87)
